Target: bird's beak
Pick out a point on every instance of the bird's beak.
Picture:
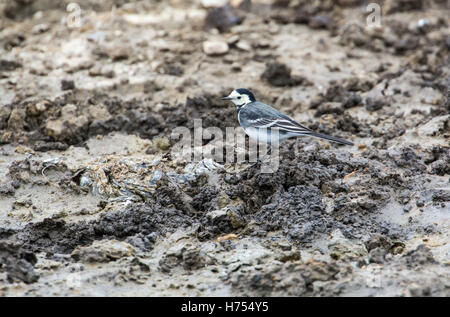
(226, 98)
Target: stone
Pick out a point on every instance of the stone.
(102, 251)
(6, 65)
(68, 125)
(213, 3)
(215, 48)
(226, 217)
(98, 112)
(35, 109)
(222, 18)
(5, 112)
(16, 120)
(341, 248)
(244, 46)
(40, 28)
(54, 128)
(434, 126)
(67, 84)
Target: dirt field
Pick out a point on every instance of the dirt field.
(93, 203)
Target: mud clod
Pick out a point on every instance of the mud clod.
(223, 18)
(278, 74)
(18, 263)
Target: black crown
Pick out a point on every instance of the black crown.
(247, 92)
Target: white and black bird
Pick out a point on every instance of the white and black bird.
(259, 120)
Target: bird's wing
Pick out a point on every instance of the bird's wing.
(284, 124)
(260, 115)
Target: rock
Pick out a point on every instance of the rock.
(22, 149)
(6, 137)
(208, 4)
(16, 120)
(98, 112)
(69, 126)
(377, 255)
(233, 39)
(35, 109)
(103, 251)
(278, 74)
(420, 256)
(289, 256)
(119, 53)
(18, 263)
(440, 195)
(378, 241)
(348, 3)
(373, 104)
(214, 48)
(67, 84)
(392, 6)
(353, 35)
(343, 249)
(6, 65)
(321, 22)
(7, 189)
(222, 18)
(440, 167)
(43, 146)
(352, 101)
(277, 278)
(263, 43)
(244, 5)
(188, 256)
(319, 271)
(161, 144)
(171, 69)
(244, 46)
(226, 219)
(54, 128)
(5, 112)
(12, 39)
(40, 28)
(328, 107)
(358, 84)
(105, 71)
(434, 126)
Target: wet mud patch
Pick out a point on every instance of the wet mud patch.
(75, 116)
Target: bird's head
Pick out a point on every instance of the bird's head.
(240, 97)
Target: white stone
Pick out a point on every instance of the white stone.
(213, 3)
(215, 47)
(243, 45)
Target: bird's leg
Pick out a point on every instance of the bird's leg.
(260, 159)
(264, 156)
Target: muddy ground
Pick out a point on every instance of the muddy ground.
(93, 203)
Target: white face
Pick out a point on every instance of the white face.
(238, 99)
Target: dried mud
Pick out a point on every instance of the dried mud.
(93, 203)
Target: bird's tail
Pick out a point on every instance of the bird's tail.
(329, 137)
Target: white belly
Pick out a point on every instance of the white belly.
(264, 135)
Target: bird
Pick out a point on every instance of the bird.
(259, 120)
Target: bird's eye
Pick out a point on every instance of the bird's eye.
(239, 97)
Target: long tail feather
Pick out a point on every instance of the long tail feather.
(329, 137)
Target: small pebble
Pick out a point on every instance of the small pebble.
(215, 48)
